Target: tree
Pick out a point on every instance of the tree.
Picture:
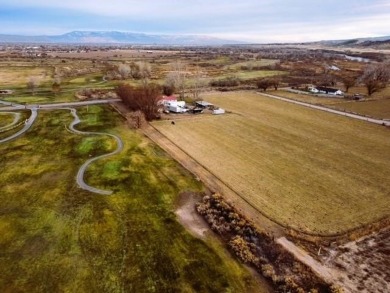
(144, 70)
(168, 90)
(177, 78)
(136, 119)
(348, 83)
(32, 84)
(56, 86)
(263, 84)
(143, 98)
(275, 82)
(124, 70)
(198, 84)
(375, 77)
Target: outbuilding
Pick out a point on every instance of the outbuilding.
(325, 90)
(218, 111)
(203, 104)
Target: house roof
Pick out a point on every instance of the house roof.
(203, 103)
(169, 98)
(327, 89)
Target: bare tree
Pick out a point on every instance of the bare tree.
(144, 70)
(136, 119)
(33, 83)
(348, 83)
(197, 84)
(177, 78)
(375, 77)
(56, 86)
(263, 84)
(275, 82)
(124, 70)
(168, 90)
(144, 98)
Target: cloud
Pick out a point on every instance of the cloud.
(257, 20)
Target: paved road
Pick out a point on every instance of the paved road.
(83, 168)
(56, 105)
(16, 119)
(359, 117)
(29, 122)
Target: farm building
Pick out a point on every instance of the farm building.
(6, 92)
(176, 106)
(325, 90)
(203, 104)
(165, 100)
(218, 111)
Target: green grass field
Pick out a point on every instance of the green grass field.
(245, 75)
(256, 63)
(5, 119)
(56, 237)
(313, 171)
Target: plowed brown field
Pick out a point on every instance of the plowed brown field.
(310, 170)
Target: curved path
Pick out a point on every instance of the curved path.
(355, 116)
(16, 119)
(80, 173)
(29, 122)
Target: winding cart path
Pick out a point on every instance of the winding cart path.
(27, 125)
(80, 174)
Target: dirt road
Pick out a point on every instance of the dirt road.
(329, 275)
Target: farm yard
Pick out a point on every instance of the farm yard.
(312, 171)
(305, 170)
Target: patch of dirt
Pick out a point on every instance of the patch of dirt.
(35, 246)
(188, 216)
(365, 262)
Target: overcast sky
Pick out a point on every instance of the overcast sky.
(245, 20)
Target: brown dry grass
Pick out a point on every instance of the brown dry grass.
(308, 98)
(114, 54)
(19, 75)
(309, 170)
(375, 108)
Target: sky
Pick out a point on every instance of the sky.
(258, 21)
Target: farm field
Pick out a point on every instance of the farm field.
(375, 108)
(245, 75)
(56, 237)
(312, 171)
(11, 76)
(307, 98)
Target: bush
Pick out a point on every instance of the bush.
(226, 82)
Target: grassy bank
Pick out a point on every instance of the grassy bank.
(57, 237)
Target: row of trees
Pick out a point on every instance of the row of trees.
(374, 78)
(135, 70)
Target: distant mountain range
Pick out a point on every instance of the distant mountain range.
(114, 37)
(378, 42)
